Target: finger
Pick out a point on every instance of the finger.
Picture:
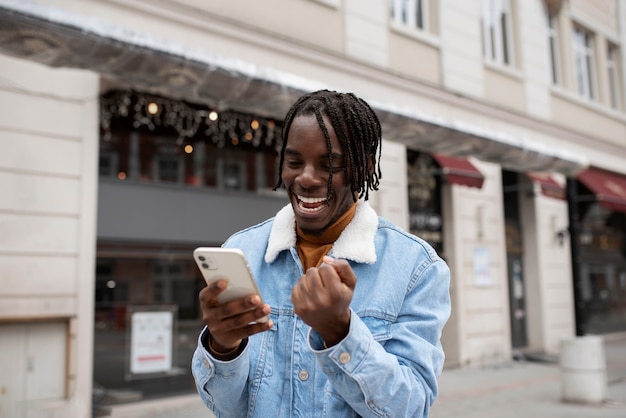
(257, 314)
(313, 285)
(237, 306)
(237, 326)
(329, 277)
(258, 327)
(208, 304)
(248, 330)
(216, 315)
(312, 279)
(343, 269)
(235, 309)
(302, 296)
(212, 290)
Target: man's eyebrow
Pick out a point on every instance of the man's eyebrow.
(291, 152)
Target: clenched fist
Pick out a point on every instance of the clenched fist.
(322, 297)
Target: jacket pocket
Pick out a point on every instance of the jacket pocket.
(263, 353)
(379, 327)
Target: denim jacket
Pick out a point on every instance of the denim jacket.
(387, 365)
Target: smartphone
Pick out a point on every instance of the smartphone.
(230, 264)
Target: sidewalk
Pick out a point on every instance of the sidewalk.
(515, 389)
(527, 389)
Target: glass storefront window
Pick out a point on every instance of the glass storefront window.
(602, 269)
(144, 276)
(424, 191)
(228, 151)
(135, 157)
(157, 142)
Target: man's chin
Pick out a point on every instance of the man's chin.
(310, 226)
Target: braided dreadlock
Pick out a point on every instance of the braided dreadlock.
(357, 128)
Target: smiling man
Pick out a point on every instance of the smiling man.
(356, 304)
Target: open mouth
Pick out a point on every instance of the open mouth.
(311, 204)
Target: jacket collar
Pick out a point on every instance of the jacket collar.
(355, 243)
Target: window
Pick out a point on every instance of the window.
(232, 173)
(142, 274)
(497, 31)
(553, 49)
(613, 76)
(424, 198)
(224, 151)
(108, 163)
(168, 165)
(410, 13)
(583, 62)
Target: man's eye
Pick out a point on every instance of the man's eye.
(334, 169)
(293, 164)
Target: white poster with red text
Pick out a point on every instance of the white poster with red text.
(151, 342)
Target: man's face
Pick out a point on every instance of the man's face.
(305, 173)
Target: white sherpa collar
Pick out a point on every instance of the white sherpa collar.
(355, 243)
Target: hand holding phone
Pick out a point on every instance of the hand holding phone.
(228, 264)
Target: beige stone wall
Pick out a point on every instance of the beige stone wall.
(478, 330)
(534, 64)
(391, 200)
(314, 23)
(461, 47)
(365, 35)
(415, 57)
(504, 89)
(569, 111)
(48, 174)
(600, 15)
(547, 270)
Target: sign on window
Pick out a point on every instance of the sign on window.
(151, 341)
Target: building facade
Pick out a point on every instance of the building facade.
(133, 131)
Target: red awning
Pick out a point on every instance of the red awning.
(549, 186)
(459, 171)
(609, 188)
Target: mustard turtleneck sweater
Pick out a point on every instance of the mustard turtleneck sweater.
(312, 248)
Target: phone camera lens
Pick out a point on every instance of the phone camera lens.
(201, 258)
(205, 265)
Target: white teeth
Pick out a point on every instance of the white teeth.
(310, 210)
(311, 199)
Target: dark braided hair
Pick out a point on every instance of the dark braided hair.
(357, 128)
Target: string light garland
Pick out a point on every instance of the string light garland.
(187, 121)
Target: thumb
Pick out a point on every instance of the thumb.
(343, 269)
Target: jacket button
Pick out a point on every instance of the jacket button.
(303, 375)
(344, 358)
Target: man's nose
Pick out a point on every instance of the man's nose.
(309, 176)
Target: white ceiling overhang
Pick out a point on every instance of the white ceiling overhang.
(62, 39)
